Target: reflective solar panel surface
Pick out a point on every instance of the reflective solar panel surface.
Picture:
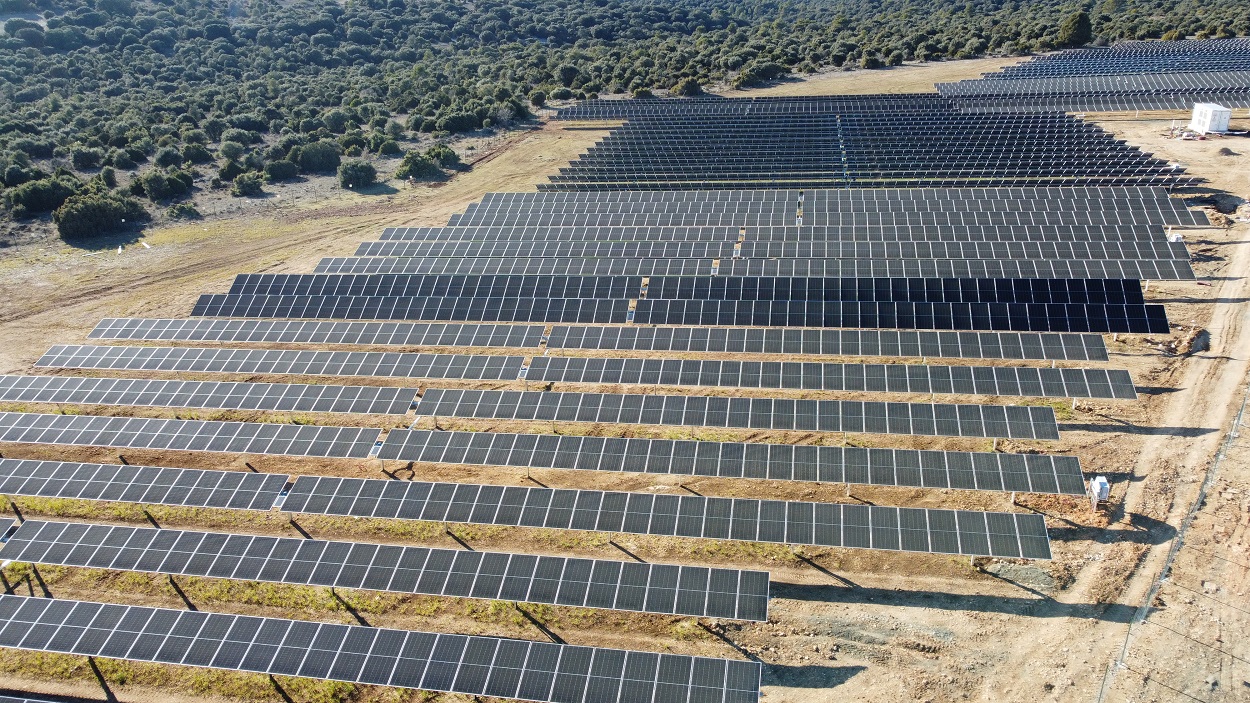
(533, 671)
(593, 583)
(152, 485)
(188, 435)
(901, 343)
(873, 378)
(990, 471)
(308, 332)
(828, 524)
(207, 394)
(1017, 422)
(282, 361)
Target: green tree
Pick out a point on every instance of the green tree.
(91, 214)
(417, 166)
(357, 174)
(1076, 29)
(319, 157)
(247, 185)
(687, 87)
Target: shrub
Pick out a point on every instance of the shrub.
(241, 136)
(417, 165)
(357, 174)
(538, 98)
(86, 157)
(319, 157)
(459, 122)
(247, 185)
(168, 157)
(1076, 29)
(444, 155)
(389, 147)
(687, 87)
(91, 214)
(196, 154)
(230, 171)
(231, 150)
(183, 211)
(123, 161)
(41, 195)
(158, 185)
(281, 170)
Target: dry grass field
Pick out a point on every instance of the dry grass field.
(845, 625)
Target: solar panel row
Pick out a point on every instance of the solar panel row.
(943, 420)
(305, 332)
(283, 361)
(533, 671)
(1035, 473)
(1137, 269)
(150, 485)
(894, 343)
(873, 378)
(207, 394)
(936, 290)
(591, 583)
(901, 343)
(188, 435)
(1017, 317)
(826, 524)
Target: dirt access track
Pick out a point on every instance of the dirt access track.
(845, 625)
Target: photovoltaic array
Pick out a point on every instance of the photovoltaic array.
(531, 671)
(655, 588)
(1135, 75)
(706, 248)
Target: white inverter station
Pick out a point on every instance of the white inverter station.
(1210, 117)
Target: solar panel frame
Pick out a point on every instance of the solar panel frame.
(470, 665)
(551, 580)
(319, 332)
(664, 514)
(994, 471)
(302, 362)
(150, 485)
(900, 343)
(273, 397)
(1007, 421)
(189, 435)
(817, 376)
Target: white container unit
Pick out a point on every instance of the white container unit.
(1209, 117)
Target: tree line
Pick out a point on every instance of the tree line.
(111, 103)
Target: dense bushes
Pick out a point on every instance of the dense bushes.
(281, 170)
(43, 195)
(93, 213)
(319, 157)
(417, 166)
(156, 86)
(357, 174)
(247, 185)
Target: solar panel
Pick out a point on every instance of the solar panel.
(309, 332)
(570, 581)
(815, 376)
(892, 343)
(1016, 422)
(1015, 535)
(1147, 270)
(472, 665)
(207, 394)
(283, 361)
(994, 471)
(149, 485)
(1016, 317)
(188, 435)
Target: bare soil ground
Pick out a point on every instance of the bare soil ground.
(845, 624)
